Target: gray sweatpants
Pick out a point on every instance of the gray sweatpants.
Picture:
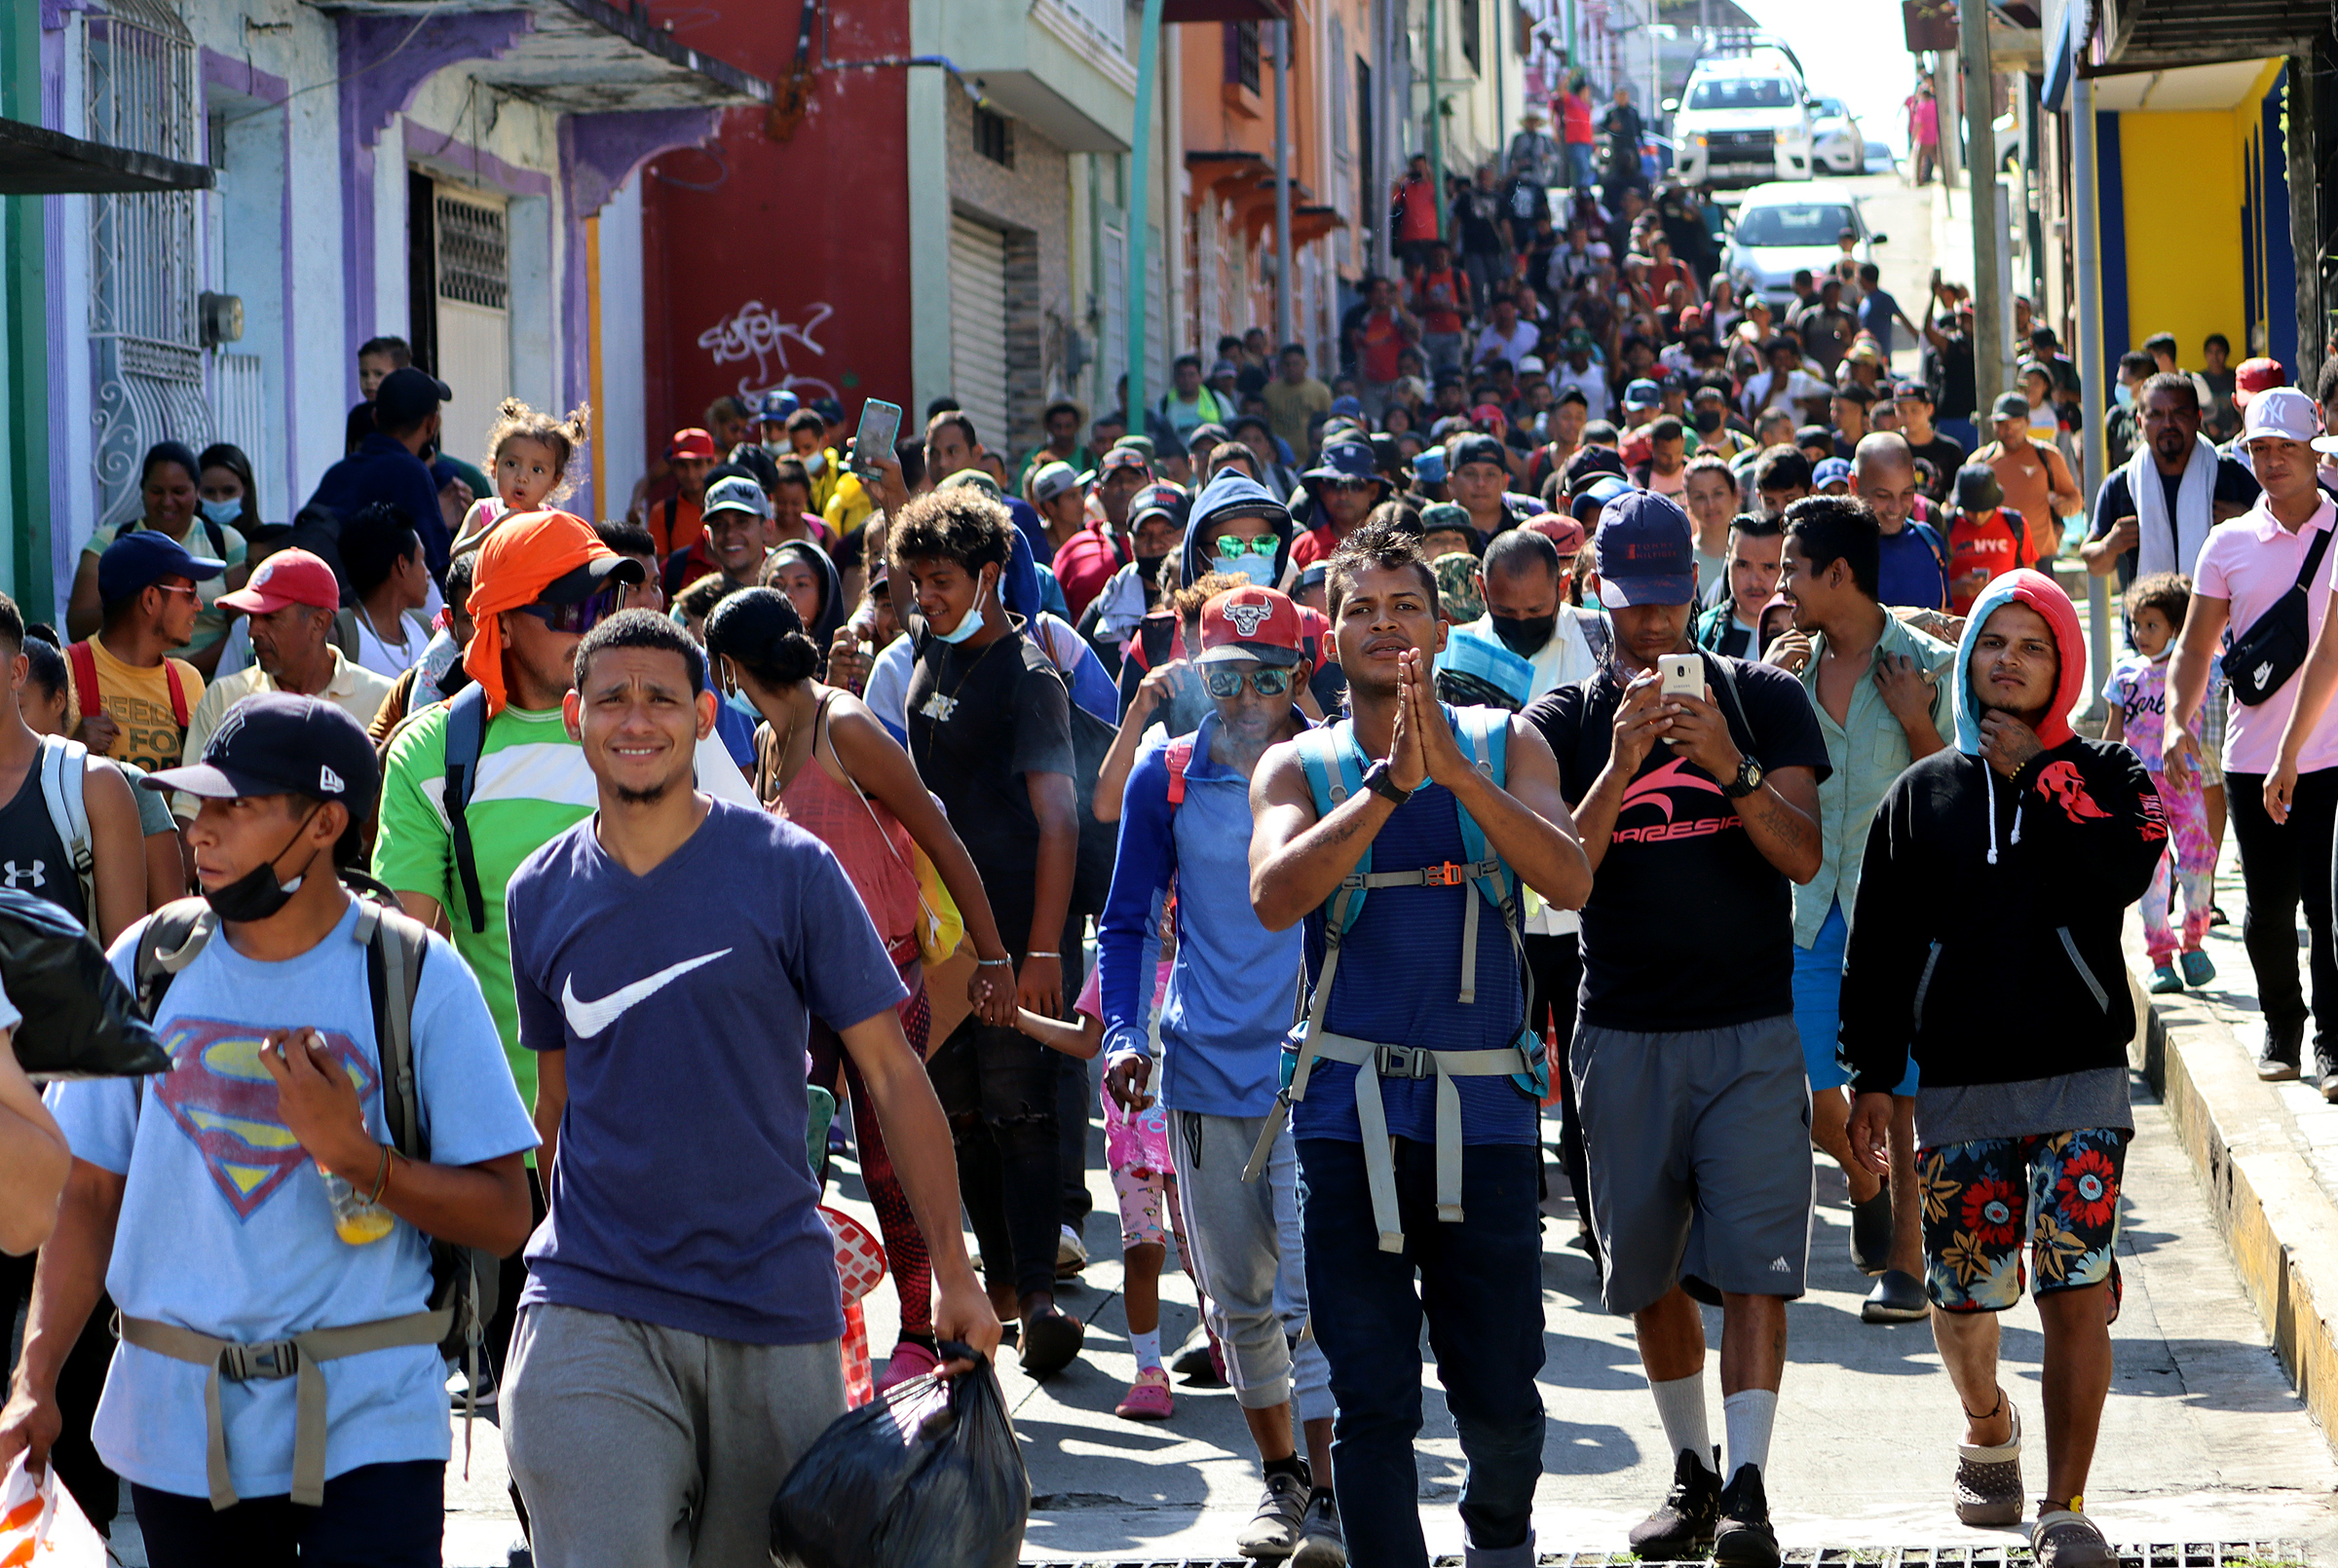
(637, 1447)
(1248, 1259)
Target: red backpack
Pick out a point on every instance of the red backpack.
(86, 694)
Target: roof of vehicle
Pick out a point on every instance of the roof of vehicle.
(1797, 192)
(1742, 66)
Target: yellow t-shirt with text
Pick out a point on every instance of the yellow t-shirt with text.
(138, 700)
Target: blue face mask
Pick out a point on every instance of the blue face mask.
(226, 513)
(1259, 568)
(2123, 393)
(971, 622)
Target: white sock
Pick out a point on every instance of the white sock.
(1147, 1348)
(1747, 1416)
(1681, 1406)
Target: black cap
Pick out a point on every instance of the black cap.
(577, 586)
(407, 396)
(277, 743)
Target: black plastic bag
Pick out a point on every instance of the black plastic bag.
(80, 1021)
(928, 1476)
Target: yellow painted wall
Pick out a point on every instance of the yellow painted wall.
(2182, 172)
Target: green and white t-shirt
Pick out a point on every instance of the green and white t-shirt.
(533, 785)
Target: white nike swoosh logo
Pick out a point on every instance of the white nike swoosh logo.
(588, 1019)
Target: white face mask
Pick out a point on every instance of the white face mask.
(971, 622)
(814, 460)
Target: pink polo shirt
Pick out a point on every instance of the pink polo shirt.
(2253, 561)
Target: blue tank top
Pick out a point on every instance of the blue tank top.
(1398, 981)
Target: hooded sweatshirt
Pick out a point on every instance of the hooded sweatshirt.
(1985, 937)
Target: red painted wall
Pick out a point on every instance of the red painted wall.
(769, 263)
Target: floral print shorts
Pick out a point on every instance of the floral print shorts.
(2062, 1188)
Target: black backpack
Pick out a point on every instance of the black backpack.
(462, 1279)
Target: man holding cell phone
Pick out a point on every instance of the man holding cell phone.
(1686, 1064)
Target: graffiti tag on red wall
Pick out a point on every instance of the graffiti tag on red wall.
(756, 332)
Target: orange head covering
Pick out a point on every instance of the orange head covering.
(517, 561)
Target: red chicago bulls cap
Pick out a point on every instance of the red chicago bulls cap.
(1250, 623)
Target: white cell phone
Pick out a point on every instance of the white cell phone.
(1680, 675)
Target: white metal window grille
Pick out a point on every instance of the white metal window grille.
(147, 362)
(474, 254)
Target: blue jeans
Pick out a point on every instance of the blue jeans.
(1480, 1283)
(1579, 171)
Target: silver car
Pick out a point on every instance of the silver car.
(1788, 227)
(1837, 144)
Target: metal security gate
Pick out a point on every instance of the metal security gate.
(472, 264)
(146, 382)
(978, 327)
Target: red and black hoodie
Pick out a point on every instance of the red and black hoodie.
(1985, 937)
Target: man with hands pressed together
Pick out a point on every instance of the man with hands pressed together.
(200, 1196)
(2000, 871)
(677, 1348)
(1686, 1063)
(1416, 1115)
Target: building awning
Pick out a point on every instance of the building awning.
(582, 57)
(2135, 35)
(1181, 10)
(38, 162)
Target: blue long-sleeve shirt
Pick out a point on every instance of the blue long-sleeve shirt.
(1233, 985)
(383, 470)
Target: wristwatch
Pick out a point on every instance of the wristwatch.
(1748, 779)
(1377, 780)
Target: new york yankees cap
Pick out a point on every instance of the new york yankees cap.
(279, 743)
(1250, 623)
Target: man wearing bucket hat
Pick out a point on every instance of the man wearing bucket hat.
(1691, 1066)
(1344, 485)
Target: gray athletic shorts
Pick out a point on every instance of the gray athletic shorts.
(1699, 1145)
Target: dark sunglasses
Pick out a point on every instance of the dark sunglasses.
(581, 616)
(1268, 682)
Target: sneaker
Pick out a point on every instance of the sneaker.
(1322, 1543)
(1050, 1339)
(1274, 1532)
(1988, 1480)
(1898, 1298)
(909, 1360)
(2198, 968)
(1681, 1527)
(1744, 1539)
(1147, 1398)
(2277, 1060)
(1070, 1255)
(458, 1389)
(1871, 1232)
(2325, 1070)
(2164, 981)
(2066, 1540)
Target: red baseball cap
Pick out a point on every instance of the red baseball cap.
(2254, 376)
(693, 442)
(1251, 624)
(1565, 533)
(286, 577)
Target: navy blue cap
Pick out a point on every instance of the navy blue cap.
(134, 562)
(1646, 552)
(279, 743)
(1642, 393)
(776, 406)
(1348, 459)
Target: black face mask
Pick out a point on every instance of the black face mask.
(1708, 421)
(257, 895)
(1148, 567)
(1525, 635)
